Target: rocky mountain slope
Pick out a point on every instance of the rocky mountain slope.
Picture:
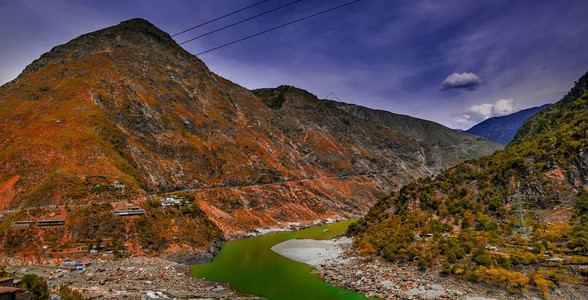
(516, 219)
(503, 129)
(125, 114)
(450, 146)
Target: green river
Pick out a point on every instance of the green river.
(251, 267)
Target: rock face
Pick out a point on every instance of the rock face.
(127, 104)
(503, 129)
(448, 147)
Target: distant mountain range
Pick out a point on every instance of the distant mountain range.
(503, 129)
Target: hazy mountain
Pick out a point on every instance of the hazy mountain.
(503, 129)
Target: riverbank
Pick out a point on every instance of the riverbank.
(133, 278)
(377, 278)
(338, 265)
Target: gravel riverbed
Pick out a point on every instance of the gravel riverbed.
(134, 278)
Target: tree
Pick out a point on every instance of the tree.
(66, 293)
(482, 258)
(36, 286)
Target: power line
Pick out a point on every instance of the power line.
(221, 17)
(277, 27)
(242, 21)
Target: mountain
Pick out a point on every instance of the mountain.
(503, 129)
(450, 146)
(515, 219)
(125, 115)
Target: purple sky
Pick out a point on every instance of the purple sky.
(455, 62)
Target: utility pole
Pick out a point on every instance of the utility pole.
(520, 226)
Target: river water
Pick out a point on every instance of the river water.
(250, 266)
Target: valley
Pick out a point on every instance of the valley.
(124, 154)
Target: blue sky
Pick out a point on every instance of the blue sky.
(455, 62)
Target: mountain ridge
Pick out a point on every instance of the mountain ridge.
(503, 129)
(454, 145)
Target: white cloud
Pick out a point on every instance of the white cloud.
(504, 107)
(465, 80)
(481, 112)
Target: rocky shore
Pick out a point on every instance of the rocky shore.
(339, 266)
(133, 278)
(377, 278)
(380, 279)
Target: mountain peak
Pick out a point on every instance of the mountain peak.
(137, 23)
(136, 37)
(140, 26)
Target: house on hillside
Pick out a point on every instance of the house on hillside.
(170, 201)
(7, 281)
(22, 224)
(175, 200)
(11, 293)
(128, 209)
(53, 222)
(8, 291)
(118, 185)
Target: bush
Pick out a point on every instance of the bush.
(36, 286)
(482, 258)
(66, 293)
(153, 203)
(446, 268)
(422, 264)
(543, 284)
(451, 256)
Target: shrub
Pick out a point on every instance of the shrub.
(66, 293)
(543, 284)
(482, 258)
(36, 286)
(422, 264)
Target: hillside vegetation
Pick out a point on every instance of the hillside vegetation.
(515, 219)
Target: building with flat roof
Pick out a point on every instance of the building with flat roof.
(7, 281)
(11, 293)
(57, 222)
(22, 224)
